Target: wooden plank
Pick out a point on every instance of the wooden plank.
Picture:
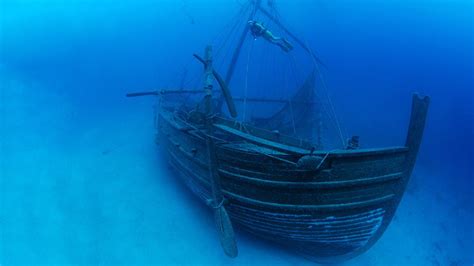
(291, 192)
(314, 185)
(252, 195)
(261, 141)
(322, 207)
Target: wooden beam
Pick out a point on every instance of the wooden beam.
(419, 112)
(222, 219)
(264, 142)
(265, 100)
(224, 89)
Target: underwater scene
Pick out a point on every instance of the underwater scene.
(236, 132)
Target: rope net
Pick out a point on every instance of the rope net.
(272, 88)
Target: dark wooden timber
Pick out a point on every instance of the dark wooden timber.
(138, 94)
(224, 88)
(222, 220)
(238, 48)
(330, 214)
(243, 36)
(269, 100)
(238, 99)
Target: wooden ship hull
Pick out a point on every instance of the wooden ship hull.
(329, 213)
(261, 175)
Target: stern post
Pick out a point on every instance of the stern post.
(419, 111)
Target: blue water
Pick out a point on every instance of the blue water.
(81, 179)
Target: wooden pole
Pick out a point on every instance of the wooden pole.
(243, 36)
(223, 223)
(224, 89)
(236, 55)
(416, 127)
(208, 80)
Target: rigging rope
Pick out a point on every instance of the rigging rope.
(326, 112)
(291, 105)
(195, 79)
(246, 81)
(292, 116)
(332, 114)
(324, 86)
(235, 22)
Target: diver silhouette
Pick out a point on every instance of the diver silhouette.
(259, 30)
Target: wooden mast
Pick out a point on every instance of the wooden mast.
(235, 56)
(316, 61)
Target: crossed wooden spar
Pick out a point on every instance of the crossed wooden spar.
(223, 223)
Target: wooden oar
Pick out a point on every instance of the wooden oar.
(223, 223)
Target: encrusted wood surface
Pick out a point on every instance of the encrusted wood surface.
(329, 214)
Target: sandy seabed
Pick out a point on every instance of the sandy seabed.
(81, 189)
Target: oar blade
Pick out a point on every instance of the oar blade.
(226, 232)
